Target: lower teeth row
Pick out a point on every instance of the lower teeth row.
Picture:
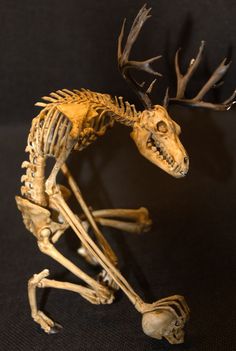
(162, 155)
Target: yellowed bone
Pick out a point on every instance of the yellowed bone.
(72, 120)
(55, 133)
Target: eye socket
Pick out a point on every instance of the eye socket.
(162, 127)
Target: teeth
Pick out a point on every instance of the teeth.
(158, 149)
(177, 168)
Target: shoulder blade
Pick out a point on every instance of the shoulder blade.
(76, 113)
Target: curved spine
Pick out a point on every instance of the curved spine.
(120, 111)
(34, 178)
(47, 138)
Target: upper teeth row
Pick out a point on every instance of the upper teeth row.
(160, 152)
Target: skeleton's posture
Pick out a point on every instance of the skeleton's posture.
(72, 120)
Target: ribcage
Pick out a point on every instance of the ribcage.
(95, 127)
(51, 131)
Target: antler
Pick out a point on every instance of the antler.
(125, 65)
(197, 101)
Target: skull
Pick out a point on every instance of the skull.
(157, 138)
(163, 323)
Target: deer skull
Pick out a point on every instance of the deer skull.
(157, 138)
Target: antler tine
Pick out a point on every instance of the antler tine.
(139, 21)
(166, 98)
(213, 81)
(125, 64)
(182, 80)
(230, 101)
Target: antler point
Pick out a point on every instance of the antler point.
(125, 64)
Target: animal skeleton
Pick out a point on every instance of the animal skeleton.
(72, 120)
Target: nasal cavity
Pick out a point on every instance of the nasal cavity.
(185, 159)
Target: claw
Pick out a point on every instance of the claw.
(55, 329)
(47, 324)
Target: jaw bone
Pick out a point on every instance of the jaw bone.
(156, 135)
(165, 159)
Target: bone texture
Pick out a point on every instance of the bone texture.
(72, 120)
(59, 128)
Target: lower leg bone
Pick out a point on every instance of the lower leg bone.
(47, 324)
(107, 250)
(88, 243)
(164, 318)
(40, 281)
(49, 249)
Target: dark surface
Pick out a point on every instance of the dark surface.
(191, 247)
(49, 45)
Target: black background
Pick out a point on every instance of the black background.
(49, 45)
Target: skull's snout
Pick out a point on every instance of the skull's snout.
(185, 165)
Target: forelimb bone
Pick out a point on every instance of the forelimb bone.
(140, 216)
(138, 220)
(104, 244)
(59, 203)
(50, 184)
(142, 223)
(164, 318)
